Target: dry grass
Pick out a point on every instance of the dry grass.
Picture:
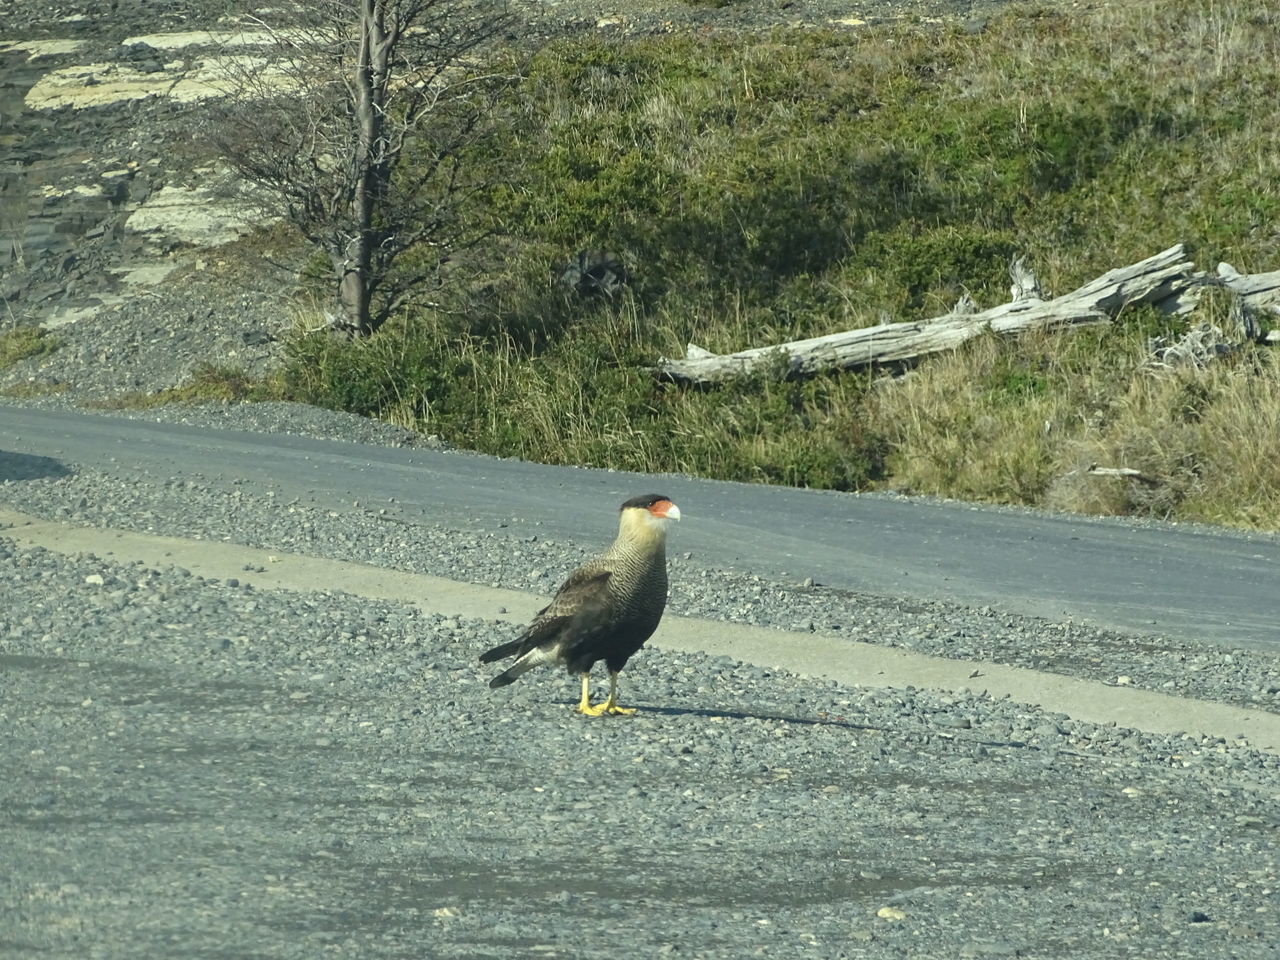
(967, 425)
(1209, 437)
(1023, 422)
(208, 384)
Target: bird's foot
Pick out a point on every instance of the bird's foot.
(606, 709)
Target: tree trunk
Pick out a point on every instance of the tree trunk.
(353, 296)
(355, 286)
(320, 123)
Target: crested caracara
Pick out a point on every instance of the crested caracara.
(606, 610)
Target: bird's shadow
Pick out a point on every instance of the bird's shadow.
(824, 720)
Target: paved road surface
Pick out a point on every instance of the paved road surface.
(1149, 578)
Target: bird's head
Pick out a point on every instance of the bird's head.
(648, 514)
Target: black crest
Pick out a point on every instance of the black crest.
(645, 500)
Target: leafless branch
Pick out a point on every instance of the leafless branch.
(354, 120)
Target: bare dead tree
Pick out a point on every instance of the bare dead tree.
(351, 122)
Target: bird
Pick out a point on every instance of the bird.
(605, 610)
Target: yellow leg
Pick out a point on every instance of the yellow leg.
(610, 706)
(584, 705)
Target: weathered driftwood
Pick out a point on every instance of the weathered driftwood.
(1097, 471)
(1258, 299)
(1258, 293)
(1254, 316)
(1166, 280)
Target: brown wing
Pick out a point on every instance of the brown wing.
(587, 587)
(581, 597)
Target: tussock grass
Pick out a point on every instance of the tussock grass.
(210, 383)
(578, 401)
(1210, 436)
(807, 182)
(21, 343)
(998, 419)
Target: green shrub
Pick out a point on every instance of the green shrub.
(21, 343)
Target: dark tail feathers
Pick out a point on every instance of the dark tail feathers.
(501, 680)
(513, 672)
(502, 651)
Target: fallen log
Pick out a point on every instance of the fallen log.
(1097, 471)
(1166, 279)
(1258, 299)
(1259, 293)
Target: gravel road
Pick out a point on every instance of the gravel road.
(201, 768)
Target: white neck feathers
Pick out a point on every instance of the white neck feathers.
(638, 526)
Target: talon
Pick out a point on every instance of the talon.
(605, 709)
(584, 705)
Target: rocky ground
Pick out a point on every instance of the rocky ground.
(505, 558)
(198, 766)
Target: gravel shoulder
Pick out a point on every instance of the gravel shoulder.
(815, 656)
(197, 766)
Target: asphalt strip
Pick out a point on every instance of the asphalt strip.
(807, 654)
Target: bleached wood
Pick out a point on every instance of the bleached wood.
(1026, 286)
(1258, 293)
(1097, 471)
(1158, 279)
(1258, 290)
